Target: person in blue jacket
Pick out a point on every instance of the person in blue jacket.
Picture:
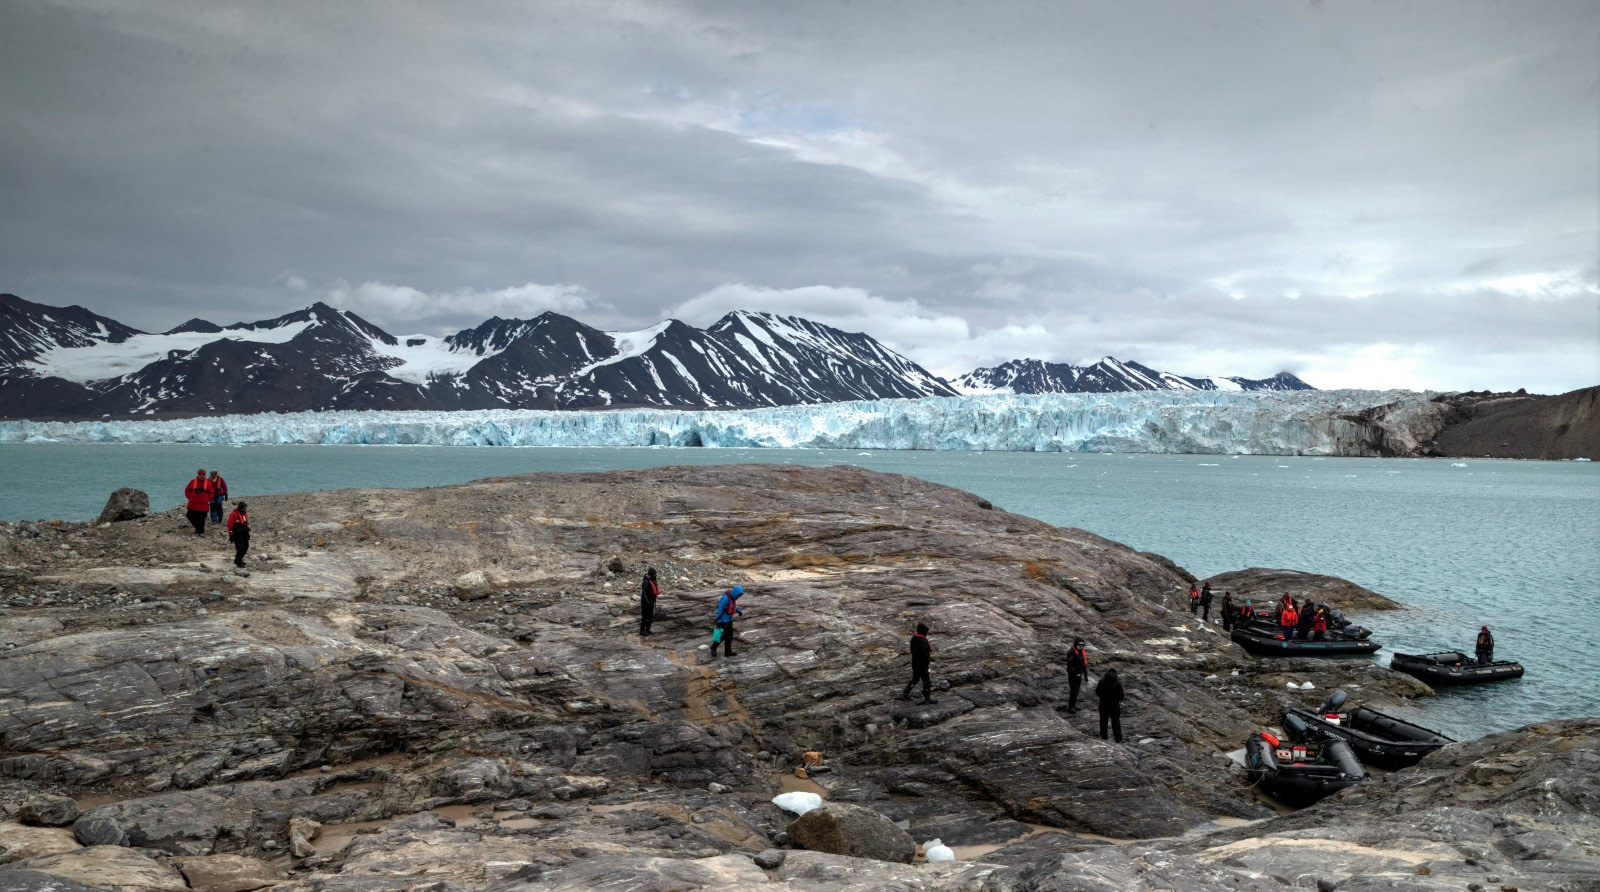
(727, 609)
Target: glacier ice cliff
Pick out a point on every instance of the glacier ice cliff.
(1330, 422)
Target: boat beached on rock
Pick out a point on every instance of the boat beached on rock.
(1303, 772)
(1454, 668)
(1377, 739)
(1262, 636)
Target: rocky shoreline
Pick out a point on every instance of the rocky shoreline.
(444, 689)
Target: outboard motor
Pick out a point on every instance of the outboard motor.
(1296, 727)
(1333, 703)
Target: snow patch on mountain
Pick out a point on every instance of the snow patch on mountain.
(106, 360)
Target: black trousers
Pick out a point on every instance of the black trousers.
(1112, 713)
(1227, 620)
(727, 639)
(919, 673)
(1485, 656)
(241, 544)
(647, 614)
(1074, 682)
(197, 519)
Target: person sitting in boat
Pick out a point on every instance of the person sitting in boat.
(1307, 612)
(1288, 619)
(1246, 613)
(1485, 646)
(1319, 625)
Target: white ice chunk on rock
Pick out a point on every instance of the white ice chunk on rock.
(936, 850)
(1307, 686)
(798, 802)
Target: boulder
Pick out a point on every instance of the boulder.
(842, 829)
(46, 810)
(99, 830)
(472, 585)
(227, 873)
(19, 842)
(105, 867)
(126, 503)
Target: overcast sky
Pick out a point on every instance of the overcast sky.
(1391, 194)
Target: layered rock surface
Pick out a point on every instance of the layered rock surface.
(446, 686)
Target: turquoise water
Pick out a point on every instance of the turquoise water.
(1512, 544)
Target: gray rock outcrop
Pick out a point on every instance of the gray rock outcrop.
(530, 739)
(126, 503)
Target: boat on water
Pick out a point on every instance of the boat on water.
(1377, 739)
(1453, 668)
(1267, 642)
(1301, 773)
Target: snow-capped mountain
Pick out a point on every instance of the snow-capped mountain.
(70, 363)
(1109, 375)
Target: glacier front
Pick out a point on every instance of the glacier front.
(1320, 422)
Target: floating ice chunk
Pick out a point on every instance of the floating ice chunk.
(797, 801)
(936, 850)
(1458, 464)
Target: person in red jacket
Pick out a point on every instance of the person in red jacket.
(1287, 620)
(1319, 626)
(197, 496)
(239, 532)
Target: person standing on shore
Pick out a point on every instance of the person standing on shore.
(921, 657)
(219, 494)
(1109, 692)
(648, 592)
(1205, 603)
(1229, 611)
(1077, 670)
(1194, 599)
(1485, 646)
(727, 609)
(239, 532)
(197, 499)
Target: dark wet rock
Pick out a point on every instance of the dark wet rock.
(843, 829)
(99, 830)
(126, 503)
(48, 811)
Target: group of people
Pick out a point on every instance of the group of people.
(204, 497)
(1108, 690)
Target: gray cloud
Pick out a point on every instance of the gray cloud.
(1364, 193)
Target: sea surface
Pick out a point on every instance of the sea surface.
(1462, 543)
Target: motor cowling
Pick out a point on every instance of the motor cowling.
(1334, 702)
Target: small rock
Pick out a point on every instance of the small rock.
(1494, 877)
(769, 859)
(48, 811)
(1322, 885)
(240, 571)
(715, 787)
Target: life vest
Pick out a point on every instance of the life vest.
(198, 492)
(238, 521)
(655, 590)
(1291, 616)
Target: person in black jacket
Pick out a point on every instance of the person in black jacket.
(1485, 646)
(1205, 603)
(648, 592)
(921, 656)
(1077, 668)
(1229, 611)
(1109, 691)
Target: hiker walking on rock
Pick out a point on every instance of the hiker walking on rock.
(197, 496)
(921, 656)
(239, 532)
(648, 592)
(1077, 668)
(219, 494)
(1109, 692)
(727, 609)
